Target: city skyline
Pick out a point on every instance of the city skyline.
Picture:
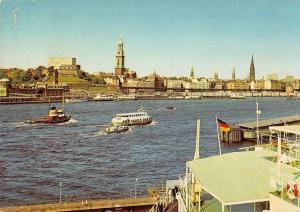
(169, 37)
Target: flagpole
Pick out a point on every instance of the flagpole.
(220, 152)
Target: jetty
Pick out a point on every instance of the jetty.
(129, 204)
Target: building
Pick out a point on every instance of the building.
(198, 84)
(120, 59)
(257, 85)
(237, 85)
(66, 66)
(175, 83)
(56, 62)
(274, 85)
(252, 70)
(4, 87)
(69, 70)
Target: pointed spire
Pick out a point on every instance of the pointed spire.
(233, 73)
(192, 73)
(252, 70)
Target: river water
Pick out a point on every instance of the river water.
(34, 159)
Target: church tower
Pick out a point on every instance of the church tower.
(233, 73)
(252, 70)
(120, 59)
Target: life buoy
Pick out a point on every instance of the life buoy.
(292, 190)
(295, 190)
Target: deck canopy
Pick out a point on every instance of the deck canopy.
(240, 177)
(270, 122)
(295, 129)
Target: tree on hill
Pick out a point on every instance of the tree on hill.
(3, 73)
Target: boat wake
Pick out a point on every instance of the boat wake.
(21, 124)
(153, 123)
(71, 121)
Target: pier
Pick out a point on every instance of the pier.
(129, 204)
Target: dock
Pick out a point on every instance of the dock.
(129, 204)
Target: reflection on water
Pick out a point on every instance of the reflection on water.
(35, 158)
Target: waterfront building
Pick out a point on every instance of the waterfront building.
(218, 85)
(175, 83)
(203, 83)
(120, 59)
(257, 85)
(4, 87)
(252, 70)
(238, 85)
(274, 85)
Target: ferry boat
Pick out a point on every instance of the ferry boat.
(54, 116)
(76, 100)
(101, 97)
(136, 118)
(125, 97)
(116, 129)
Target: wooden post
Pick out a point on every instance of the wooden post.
(219, 142)
(197, 148)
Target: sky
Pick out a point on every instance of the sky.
(166, 36)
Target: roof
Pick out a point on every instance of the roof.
(269, 122)
(294, 129)
(239, 177)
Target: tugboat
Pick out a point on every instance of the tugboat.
(55, 116)
(116, 129)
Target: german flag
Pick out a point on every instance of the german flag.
(223, 126)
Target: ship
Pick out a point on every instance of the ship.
(139, 117)
(55, 115)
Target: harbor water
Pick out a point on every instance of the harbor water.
(35, 159)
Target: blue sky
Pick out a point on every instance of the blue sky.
(168, 36)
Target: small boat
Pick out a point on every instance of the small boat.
(237, 96)
(116, 129)
(192, 97)
(54, 116)
(136, 118)
(76, 100)
(171, 107)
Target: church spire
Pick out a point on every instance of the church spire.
(233, 73)
(252, 70)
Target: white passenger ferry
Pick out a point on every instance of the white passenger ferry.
(137, 118)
